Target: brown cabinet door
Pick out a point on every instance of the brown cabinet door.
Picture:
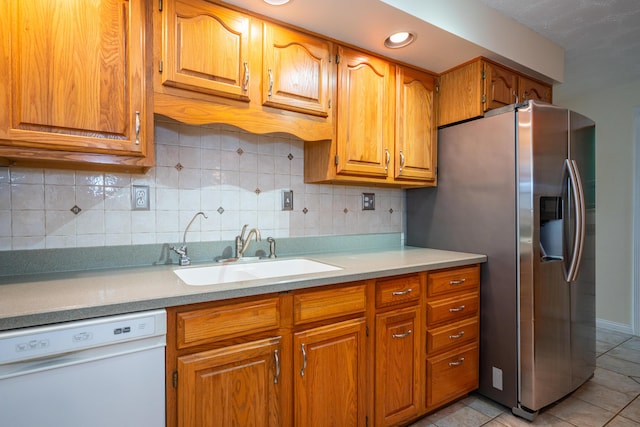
(531, 89)
(365, 115)
(232, 386)
(330, 374)
(297, 71)
(74, 77)
(500, 86)
(397, 383)
(206, 48)
(416, 132)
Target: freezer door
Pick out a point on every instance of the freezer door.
(583, 329)
(545, 300)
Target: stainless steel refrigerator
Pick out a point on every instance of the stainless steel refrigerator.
(519, 186)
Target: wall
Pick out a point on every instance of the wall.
(233, 176)
(612, 109)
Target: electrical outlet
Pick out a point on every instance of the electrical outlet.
(287, 200)
(368, 201)
(140, 198)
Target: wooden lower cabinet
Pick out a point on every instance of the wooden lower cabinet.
(232, 386)
(379, 352)
(330, 375)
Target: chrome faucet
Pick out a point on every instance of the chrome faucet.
(182, 250)
(242, 244)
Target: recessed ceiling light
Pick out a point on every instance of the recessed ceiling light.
(399, 39)
(276, 2)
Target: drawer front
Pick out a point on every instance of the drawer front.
(213, 324)
(463, 279)
(451, 375)
(398, 290)
(451, 336)
(327, 304)
(452, 309)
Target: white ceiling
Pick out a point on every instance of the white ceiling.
(600, 38)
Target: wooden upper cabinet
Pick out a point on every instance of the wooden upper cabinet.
(416, 130)
(297, 71)
(471, 89)
(501, 86)
(365, 107)
(207, 49)
(532, 89)
(74, 83)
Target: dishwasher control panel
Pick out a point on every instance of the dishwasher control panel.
(43, 341)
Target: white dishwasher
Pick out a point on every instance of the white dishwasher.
(102, 372)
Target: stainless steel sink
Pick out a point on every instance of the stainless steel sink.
(247, 271)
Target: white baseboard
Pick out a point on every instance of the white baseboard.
(614, 326)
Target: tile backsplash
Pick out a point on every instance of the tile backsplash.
(234, 177)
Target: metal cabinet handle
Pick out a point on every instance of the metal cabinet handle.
(457, 282)
(458, 363)
(270, 83)
(397, 293)
(137, 127)
(304, 361)
(245, 86)
(388, 154)
(406, 334)
(401, 160)
(277, 359)
(456, 309)
(456, 336)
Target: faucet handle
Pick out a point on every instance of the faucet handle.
(244, 228)
(272, 247)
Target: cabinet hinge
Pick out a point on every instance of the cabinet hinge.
(337, 159)
(160, 64)
(367, 330)
(160, 5)
(484, 98)
(484, 74)
(337, 58)
(437, 88)
(174, 379)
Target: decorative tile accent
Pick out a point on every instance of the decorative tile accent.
(257, 191)
(390, 210)
(240, 151)
(345, 210)
(305, 210)
(290, 156)
(220, 210)
(75, 209)
(179, 167)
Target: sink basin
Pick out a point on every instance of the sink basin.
(241, 272)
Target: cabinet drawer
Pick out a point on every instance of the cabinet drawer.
(451, 336)
(452, 309)
(397, 290)
(451, 375)
(212, 324)
(453, 280)
(326, 304)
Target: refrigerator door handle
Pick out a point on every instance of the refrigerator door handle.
(577, 192)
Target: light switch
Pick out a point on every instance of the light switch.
(287, 200)
(368, 201)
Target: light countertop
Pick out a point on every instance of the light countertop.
(31, 300)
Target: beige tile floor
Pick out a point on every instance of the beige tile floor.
(611, 398)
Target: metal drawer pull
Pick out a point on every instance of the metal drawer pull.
(457, 282)
(245, 84)
(304, 361)
(406, 334)
(456, 336)
(455, 310)
(138, 125)
(458, 363)
(396, 293)
(270, 94)
(277, 358)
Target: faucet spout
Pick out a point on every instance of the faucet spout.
(182, 250)
(242, 244)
